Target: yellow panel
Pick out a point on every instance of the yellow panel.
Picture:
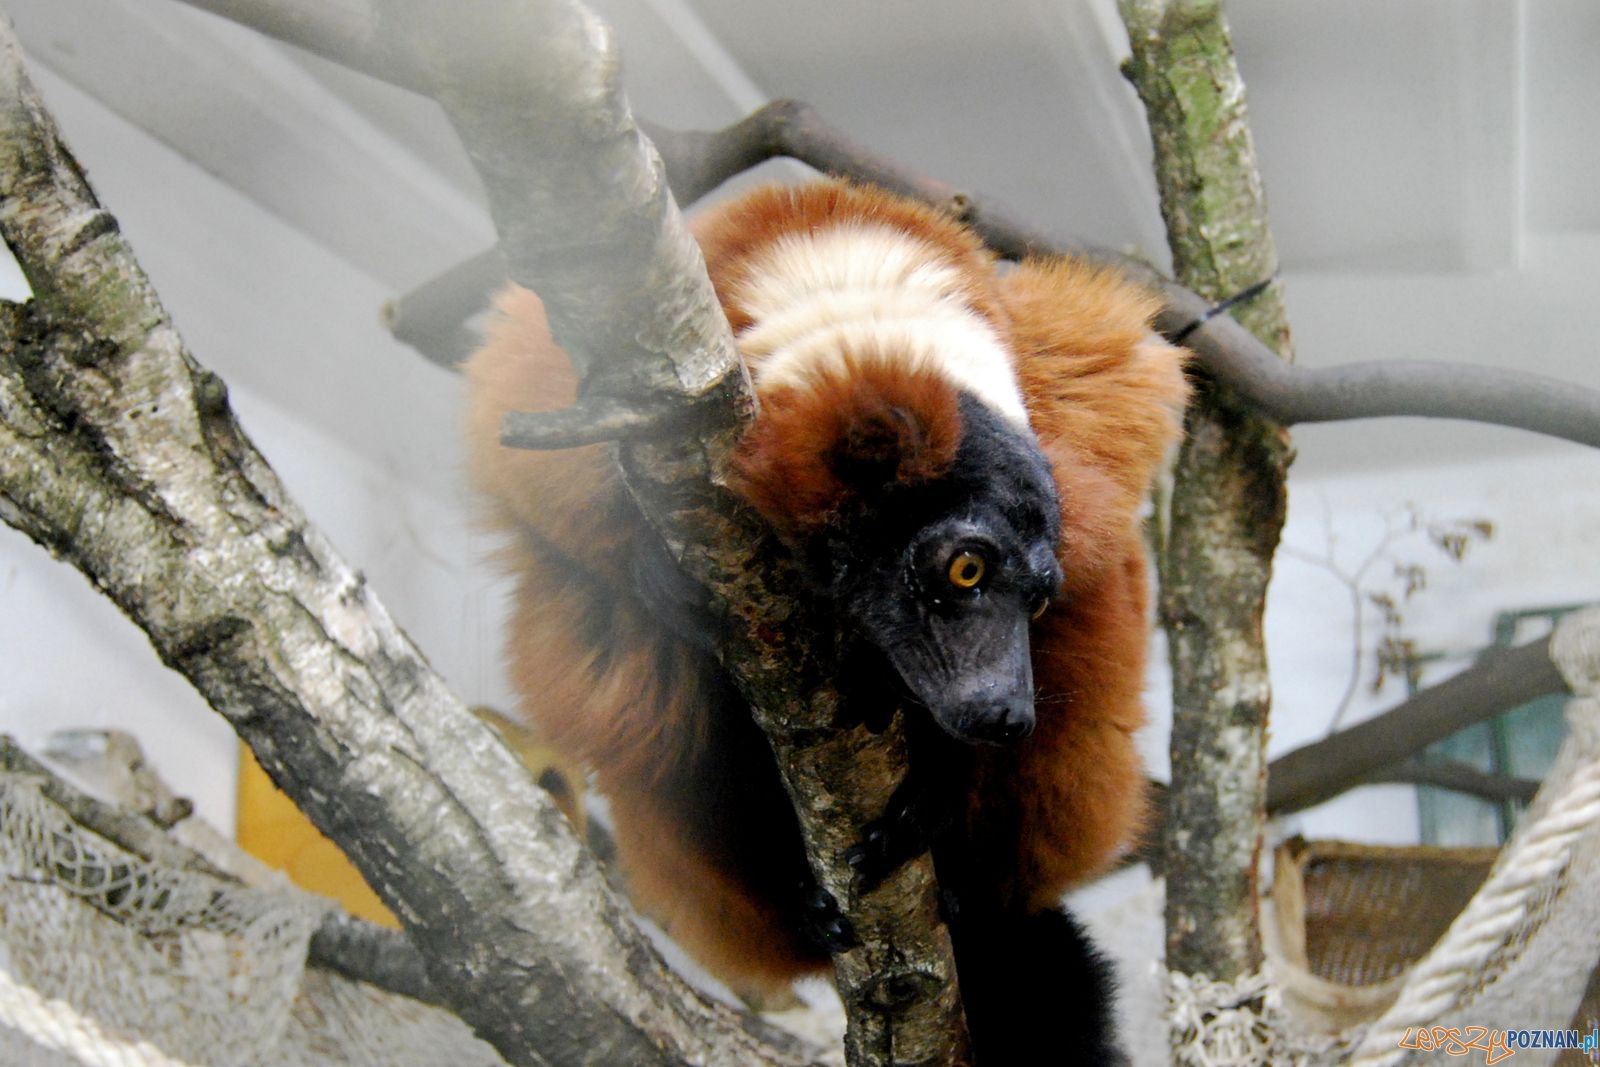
(273, 830)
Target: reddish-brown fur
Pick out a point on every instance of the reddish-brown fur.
(704, 834)
(867, 412)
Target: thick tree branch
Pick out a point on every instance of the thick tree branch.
(1228, 498)
(119, 453)
(1385, 748)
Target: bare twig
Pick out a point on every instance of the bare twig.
(1351, 580)
(1453, 538)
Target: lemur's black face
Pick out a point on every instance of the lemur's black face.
(944, 578)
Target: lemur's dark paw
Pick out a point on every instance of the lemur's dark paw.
(888, 842)
(825, 923)
(867, 858)
(949, 904)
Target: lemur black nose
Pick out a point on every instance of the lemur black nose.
(1002, 723)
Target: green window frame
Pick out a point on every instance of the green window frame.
(1519, 743)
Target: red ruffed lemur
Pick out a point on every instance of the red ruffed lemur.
(957, 456)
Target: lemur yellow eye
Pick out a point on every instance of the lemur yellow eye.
(1040, 609)
(966, 570)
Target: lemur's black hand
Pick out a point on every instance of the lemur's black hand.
(825, 924)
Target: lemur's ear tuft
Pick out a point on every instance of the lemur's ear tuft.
(849, 430)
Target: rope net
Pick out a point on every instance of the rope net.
(110, 959)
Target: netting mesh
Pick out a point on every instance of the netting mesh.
(1232, 1024)
(108, 959)
(200, 969)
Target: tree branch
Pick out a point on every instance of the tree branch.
(432, 318)
(120, 454)
(1385, 747)
(586, 221)
(377, 955)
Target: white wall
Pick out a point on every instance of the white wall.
(75, 662)
(1547, 524)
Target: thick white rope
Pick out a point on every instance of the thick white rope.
(1438, 981)
(58, 1026)
(1575, 650)
(1538, 857)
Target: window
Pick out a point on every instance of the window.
(1519, 744)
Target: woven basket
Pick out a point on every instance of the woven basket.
(1348, 919)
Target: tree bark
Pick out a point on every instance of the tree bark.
(120, 454)
(1228, 499)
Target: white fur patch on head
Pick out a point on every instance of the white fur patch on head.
(875, 293)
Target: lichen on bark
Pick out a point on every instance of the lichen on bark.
(1228, 500)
